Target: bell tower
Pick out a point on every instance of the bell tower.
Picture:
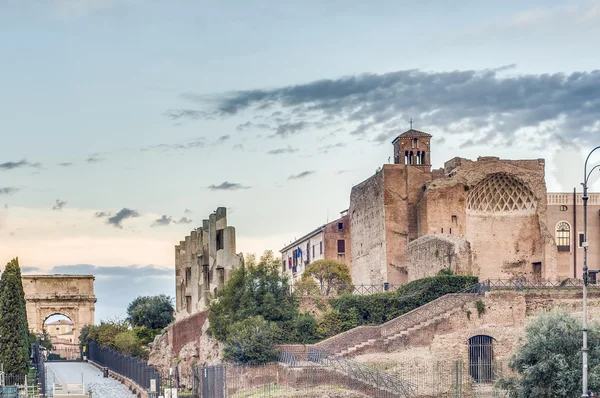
(412, 148)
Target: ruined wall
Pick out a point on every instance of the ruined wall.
(443, 211)
(203, 262)
(331, 235)
(402, 191)
(432, 253)
(367, 231)
(506, 314)
(504, 243)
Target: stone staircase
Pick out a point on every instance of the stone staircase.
(388, 339)
(360, 337)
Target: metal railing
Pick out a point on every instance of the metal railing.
(381, 383)
(125, 365)
(303, 289)
(535, 284)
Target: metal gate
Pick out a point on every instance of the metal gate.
(213, 381)
(481, 357)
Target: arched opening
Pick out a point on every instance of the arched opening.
(563, 236)
(481, 357)
(59, 338)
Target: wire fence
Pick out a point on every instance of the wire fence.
(427, 379)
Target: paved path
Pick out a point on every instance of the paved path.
(71, 372)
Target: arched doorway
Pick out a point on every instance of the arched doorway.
(59, 332)
(481, 357)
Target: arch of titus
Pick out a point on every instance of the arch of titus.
(68, 295)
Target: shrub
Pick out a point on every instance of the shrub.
(251, 341)
(548, 362)
(378, 308)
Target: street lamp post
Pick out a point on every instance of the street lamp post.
(584, 349)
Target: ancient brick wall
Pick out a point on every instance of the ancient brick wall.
(187, 330)
(431, 253)
(504, 243)
(367, 231)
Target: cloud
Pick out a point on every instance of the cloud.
(8, 191)
(65, 164)
(94, 159)
(287, 129)
(238, 146)
(250, 125)
(227, 186)
(467, 102)
(191, 144)
(222, 139)
(59, 204)
(167, 220)
(187, 211)
(19, 164)
(328, 148)
(280, 151)
(186, 114)
(100, 214)
(304, 174)
(116, 220)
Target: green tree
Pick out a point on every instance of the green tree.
(251, 341)
(548, 362)
(256, 288)
(104, 334)
(153, 312)
(14, 331)
(330, 275)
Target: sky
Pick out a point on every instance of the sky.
(124, 123)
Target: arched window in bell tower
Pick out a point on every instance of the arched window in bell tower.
(412, 148)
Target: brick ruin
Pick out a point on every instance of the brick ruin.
(490, 217)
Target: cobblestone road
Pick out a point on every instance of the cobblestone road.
(72, 372)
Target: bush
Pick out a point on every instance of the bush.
(375, 309)
(548, 362)
(251, 341)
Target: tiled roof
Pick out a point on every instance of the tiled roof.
(412, 133)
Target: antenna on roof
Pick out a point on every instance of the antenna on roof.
(411, 123)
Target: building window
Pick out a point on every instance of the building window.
(563, 208)
(219, 239)
(450, 231)
(563, 236)
(313, 251)
(341, 246)
(340, 226)
(581, 239)
(321, 247)
(481, 356)
(454, 220)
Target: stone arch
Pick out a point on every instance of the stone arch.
(68, 295)
(501, 193)
(481, 358)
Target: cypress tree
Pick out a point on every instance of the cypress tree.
(14, 333)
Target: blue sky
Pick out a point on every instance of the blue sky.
(118, 113)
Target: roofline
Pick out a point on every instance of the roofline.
(303, 238)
